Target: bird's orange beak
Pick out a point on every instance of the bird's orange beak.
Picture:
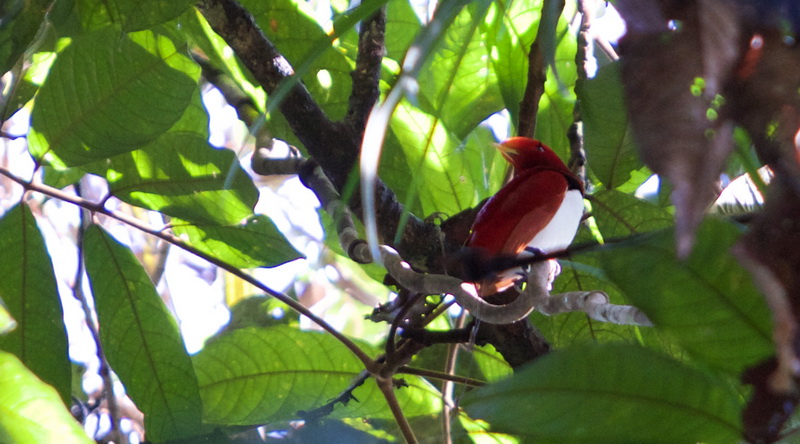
(507, 151)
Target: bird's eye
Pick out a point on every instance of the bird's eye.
(540, 148)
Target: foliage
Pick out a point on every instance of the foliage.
(117, 95)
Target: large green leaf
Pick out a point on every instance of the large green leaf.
(512, 32)
(259, 375)
(141, 340)
(130, 15)
(18, 27)
(28, 288)
(458, 82)
(107, 95)
(609, 393)
(609, 142)
(449, 176)
(256, 243)
(31, 411)
(557, 104)
(707, 302)
(402, 26)
(183, 176)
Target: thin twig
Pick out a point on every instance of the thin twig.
(386, 387)
(431, 374)
(174, 240)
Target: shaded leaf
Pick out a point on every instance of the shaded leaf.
(30, 410)
(28, 289)
(21, 21)
(260, 375)
(130, 15)
(619, 215)
(707, 302)
(669, 102)
(141, 340)
(610, 149)
(609, 393)
(107, 95)
(255, 243)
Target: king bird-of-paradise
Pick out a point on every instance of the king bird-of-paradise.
(539, 209)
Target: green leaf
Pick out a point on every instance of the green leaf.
(557, 104)
(458, 80)
(512, 32)
(130, 15)
(449, 177)
(261, 375)
(181, 175)
(107, 95)
(609, 393)
(28, 288)
(255, 243)
(402, 26)
(707, 302)
(608, 140)
(141, 340)
(619, 214)
(22, 19)
(32, 411)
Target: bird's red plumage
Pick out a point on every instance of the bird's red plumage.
(511, 219)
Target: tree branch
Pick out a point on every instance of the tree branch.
(366, 76)
(537, 75)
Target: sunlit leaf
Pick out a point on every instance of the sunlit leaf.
(31, 411)
(447, 177)
(511, 34)
(402, 26)
(257, 375)
(255, 243)
(458, 80)
(609, 393)
(707, 302)
(107, 95)
(141, 340)
(28, 289)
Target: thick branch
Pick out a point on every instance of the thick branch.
(334, 145)
(367, 74)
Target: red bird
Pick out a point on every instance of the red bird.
(540, 208)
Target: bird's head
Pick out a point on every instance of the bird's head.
(523, 153)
